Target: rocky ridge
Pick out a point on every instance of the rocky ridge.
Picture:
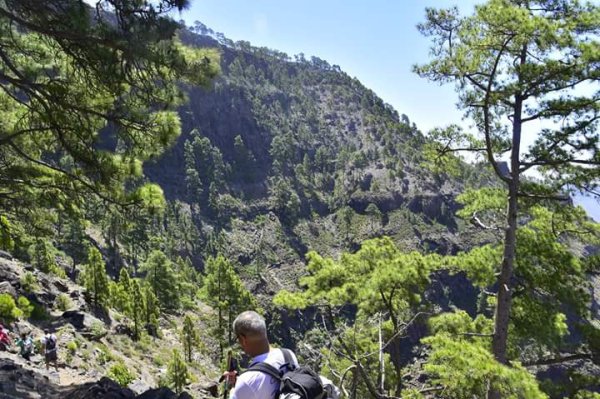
(89, 343)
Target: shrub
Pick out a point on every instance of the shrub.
(98, 330)
(8, 309)
(25, 306)
(63, 302)
(121, 374)
(39, 312)
(38, 346)
(72, 347)
(29, 282)
(58, 271)
(6, 241)
(104, 354)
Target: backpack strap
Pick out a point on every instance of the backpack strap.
(288, 359)
(265, 368)
(272, 371)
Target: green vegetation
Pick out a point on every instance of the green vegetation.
(29, 282)
(95, 279)
(396, 278)
(290, 158)
(177, 372)
(163, 280)
(120, 373)
(190, 338)
(8, 308)
(515, 63)
(225, 292)
(63, 302)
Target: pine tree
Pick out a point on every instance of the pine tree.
(43, 255)
(7, 243)
(177, 372)
(86, 48)
(163, 280)
(121, 297)
(95, 279)
(151, 308)
(226, 292)
(190, 280)
(518, 62)
(374, 214)
(138, 308)
(189, 337)
(378, 279)
(346, 214)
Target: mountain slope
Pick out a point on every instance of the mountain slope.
(301, 156)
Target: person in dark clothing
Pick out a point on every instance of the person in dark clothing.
(50, 352)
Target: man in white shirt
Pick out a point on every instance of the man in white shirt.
(251, 331)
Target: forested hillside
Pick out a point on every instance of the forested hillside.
(284, 155)
(159, 179)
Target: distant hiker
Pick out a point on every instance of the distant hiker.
(25, 344)
(5, 341)
(251, 331)
(49, 345)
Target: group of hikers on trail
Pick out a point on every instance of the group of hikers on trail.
(272, 373)
(27, 348)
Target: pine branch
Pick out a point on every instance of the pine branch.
(558, 360)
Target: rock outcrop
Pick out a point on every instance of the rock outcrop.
(17, 381)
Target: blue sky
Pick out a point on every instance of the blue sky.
(376, 41)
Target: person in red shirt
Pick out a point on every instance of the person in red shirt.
(5, 341)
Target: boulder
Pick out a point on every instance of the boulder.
(81, 320)
(5, 255)
(9, 271)
(7, 288)
(139, 386)
(163, 393)
(206, 389)
(103, 389)
(123, 329)
(76, 318)
(60, 286)
(15, 380)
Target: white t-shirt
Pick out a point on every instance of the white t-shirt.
(256, 384)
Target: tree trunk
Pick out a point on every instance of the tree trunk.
(381, 361)
(504, 298)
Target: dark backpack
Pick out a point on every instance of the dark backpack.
(50, 344)
(297, 382)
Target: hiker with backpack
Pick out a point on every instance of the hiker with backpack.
(25, 344)
(49, 345)
(273, 373)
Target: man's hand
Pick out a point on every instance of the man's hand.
(229, 377)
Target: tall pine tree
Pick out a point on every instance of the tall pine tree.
(520, 66)
(95, 279)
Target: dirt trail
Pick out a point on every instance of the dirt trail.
(64, 377)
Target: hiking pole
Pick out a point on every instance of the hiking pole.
(230, 368)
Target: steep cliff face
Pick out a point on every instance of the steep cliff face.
(301, 141)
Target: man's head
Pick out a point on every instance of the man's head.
(251, 331)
